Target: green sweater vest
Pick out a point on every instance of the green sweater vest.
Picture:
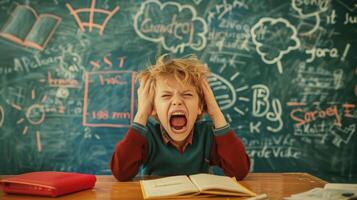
(164, 159)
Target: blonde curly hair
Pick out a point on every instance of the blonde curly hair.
(186, 70)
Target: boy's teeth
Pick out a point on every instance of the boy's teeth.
(178, 113)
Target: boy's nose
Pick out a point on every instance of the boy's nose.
(177, 101)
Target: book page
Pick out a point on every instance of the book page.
(207, 182)
(42, 31)
(20, 24)
(341, 186)
(169, 186)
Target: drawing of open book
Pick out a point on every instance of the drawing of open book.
(27, 28)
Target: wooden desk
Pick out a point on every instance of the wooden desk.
(275, 185)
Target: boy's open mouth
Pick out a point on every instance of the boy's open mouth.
(178, 122)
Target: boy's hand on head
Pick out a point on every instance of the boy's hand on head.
(145, 100)
(213, 109)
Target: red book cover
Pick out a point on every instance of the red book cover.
(47, 183)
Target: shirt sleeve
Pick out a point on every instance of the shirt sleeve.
(129, 153)
(228, 153)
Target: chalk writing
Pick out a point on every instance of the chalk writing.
(317, 81)
(53, 82)
(108, 63)
(261, 107)
(104, 114)
(174, 33)
(25, 64)
(325, 52)
(302, 116)
(282, 146)
(112, 85)
(350, 19)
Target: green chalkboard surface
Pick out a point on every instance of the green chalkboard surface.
(283, 72)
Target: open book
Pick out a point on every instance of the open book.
(186, 186)
(27, 28)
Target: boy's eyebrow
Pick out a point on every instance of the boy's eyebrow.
(166, 91)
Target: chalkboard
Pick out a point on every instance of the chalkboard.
(283, 72)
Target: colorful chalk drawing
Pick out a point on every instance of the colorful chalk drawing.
(307, 9)
(342, 135)
(103, 86)
(108, 62)
(225, 93)
(273, 38)
(92, 11)
(28, 29)
(262, 104)
(34, 115)
(173, 25)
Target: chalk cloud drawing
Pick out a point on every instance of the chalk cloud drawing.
(273, 38)
(92, 11)
(307, 9)
(174, 25)
(27, 28)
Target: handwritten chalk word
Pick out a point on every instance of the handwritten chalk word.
(111, 80)
(261, 106)
(53, 82)
(275, 152)
(331, 19)
(321, 52)
(350, 19)
(108, 62)
(322, 4)
(275, 140)
(234, 24)
(318, 129)
(104, 115)
(25, 64)
(309, 116)
(177, 29)
(325, 52)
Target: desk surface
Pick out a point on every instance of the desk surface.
(275, 185)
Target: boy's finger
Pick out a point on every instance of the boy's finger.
(143, 80)
(152, 88)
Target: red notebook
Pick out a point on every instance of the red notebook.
(47, 183)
